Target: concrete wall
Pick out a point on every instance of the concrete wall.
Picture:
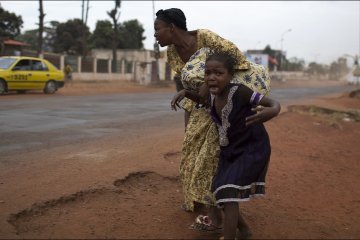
(102, 77)
(141, 62)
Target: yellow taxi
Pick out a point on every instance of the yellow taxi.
(19, 73)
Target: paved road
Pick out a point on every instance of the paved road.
(26, 122)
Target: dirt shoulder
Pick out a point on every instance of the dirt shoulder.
(127, 187)
(79, 88)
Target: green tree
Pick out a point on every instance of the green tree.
(102, 35)
(338, 68)
(294, 64)
(316, 69)
(69, 37)
(50, 36)
(131, 35)
(30, 37)
(267, 50)
(334, 71)
(10, 24)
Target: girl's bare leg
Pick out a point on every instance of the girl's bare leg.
(244, 230)
(215, 215)
(231, 220)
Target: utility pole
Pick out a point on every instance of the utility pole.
(84, 18)
(41, 28)
(282, 41)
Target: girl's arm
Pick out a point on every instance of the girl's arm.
(266, 110)
(200, 97)
(181, 95)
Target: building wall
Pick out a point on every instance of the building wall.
(141, 63)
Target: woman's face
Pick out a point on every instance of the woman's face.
(217, 77)
(163, 33)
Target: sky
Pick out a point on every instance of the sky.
(320, 31)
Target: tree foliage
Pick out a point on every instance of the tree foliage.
(269, 51)
(30, 37)
(10, 24)
(338, 68)
(294, 64)
(102, 35)
(66, 36)
(316, 69)
(50, 36)
(69, 37)
(131, 35)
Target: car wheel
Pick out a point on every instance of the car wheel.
(2, 87)
(50, 87)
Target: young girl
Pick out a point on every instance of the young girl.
(244, 143)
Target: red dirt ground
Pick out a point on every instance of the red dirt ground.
(104, 189)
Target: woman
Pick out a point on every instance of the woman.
(186, 56)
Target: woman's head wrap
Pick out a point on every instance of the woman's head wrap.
(172, 15)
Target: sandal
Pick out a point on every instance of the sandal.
(204, 223)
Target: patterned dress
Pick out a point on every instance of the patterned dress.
(200, 150)
(244, 150)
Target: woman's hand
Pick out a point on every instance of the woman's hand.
(262, 114)
(177, 99)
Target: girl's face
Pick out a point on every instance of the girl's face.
(217, 77)
(163, 32)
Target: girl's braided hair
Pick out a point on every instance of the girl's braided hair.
(226, 58)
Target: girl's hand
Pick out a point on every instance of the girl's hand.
(177, 99)
(262, 114)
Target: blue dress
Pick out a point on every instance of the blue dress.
(244, 151)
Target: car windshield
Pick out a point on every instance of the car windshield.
(5, 63)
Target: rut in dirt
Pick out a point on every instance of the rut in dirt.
(103, 212)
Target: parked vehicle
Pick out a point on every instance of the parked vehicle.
(19, 73)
